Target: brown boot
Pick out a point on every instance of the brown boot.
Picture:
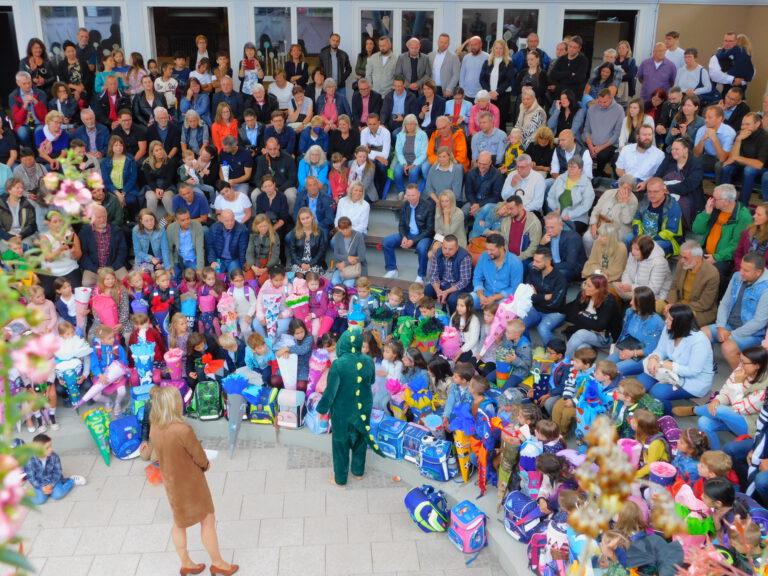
(683, 410)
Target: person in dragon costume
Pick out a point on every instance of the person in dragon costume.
(348, 398)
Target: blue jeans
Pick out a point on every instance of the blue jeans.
(738, 451)
(60, 490)
(583, 338)
(749, 176)
(392, 242)
(547, 323)
(336, 279)
(183, 265)
(741, 341)
(228, 266)
(665, 393)
(626, 367)
(413, 177)
(425, 168)
(726, 418)
(450, 302)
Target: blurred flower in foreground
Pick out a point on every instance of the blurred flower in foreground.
(34, 360)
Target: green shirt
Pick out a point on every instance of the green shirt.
(117, 173)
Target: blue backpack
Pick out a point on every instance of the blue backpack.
(139, 399)
(262, 402)
(125, 437)
(390, 437)
(522, 516)
(413, 436)
(427, 508)
(436, 460)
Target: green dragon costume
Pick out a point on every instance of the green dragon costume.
(348, 398)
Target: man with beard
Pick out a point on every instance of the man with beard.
(498, 273)
(549, 298)
(471, 67)
(380, 68)
(111, 204)
(640, 159)
(695, 283)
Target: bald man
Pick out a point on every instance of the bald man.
(656, 72)
(95, 236)
(413, 66)
(471, 67)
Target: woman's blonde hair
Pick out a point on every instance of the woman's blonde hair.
(629, 47)
(151, 156)
(101, 275)
(298, 231)
(271, 230)
(172, 336)
(451, 196)
(219, 108)
(54, 115)
(166, 407)
(544, 133)
(448, 151)
(630, 124)
(505, 57)
(744, 41)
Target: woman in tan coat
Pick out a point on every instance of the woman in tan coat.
(608, 256)
(182, 464)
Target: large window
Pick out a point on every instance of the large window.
(375, 24)
(313, 27)
(481, 22)
(273, 36)
(103, 23)
(61, 23)
(419, 24)
(513, 25)
(518, 24)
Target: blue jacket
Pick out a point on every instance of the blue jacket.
(48, 474)
(754, 306)
(238, 245)
(305, 141)
(235, 101)
(692, 359)
(519, 62)
(157, 240)
(233, 364)
(456, 396)
(492, 280)
(572, 255)
(102, 138)
(419, 147)
(342, 106)
(648, 330)
(483, 189)
(130, 173)
(201, 105)
(118, 250)
(466, 107)
(324, 212)
(409, 107)
(321, 174)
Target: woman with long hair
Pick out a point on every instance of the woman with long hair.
(159, 173)
(640, 333)
(754, 238)
(595, 316)
(369, 49)
(119, 172)
(430, 106)
(629, 67)
(197, 100)
(37, 64)
(224, 124)
(361, 169)
(183, 463)
(445, 174)
(343, 139)
(497, 76)
(135, 73)
(265, 248)
(305, 245)
(449, 220)
(567, 114)
(634, 118)
(250, 71)
(145, 102)
(687, 121)
(60, 252)
(603, 79)
(410, 153)
(150, 243)
(683, 168)
(296, 68)
(300, 110)
(533, 75)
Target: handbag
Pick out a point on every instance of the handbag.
(352, 271)
(629, 343)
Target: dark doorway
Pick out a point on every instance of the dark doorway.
(176, 28)
(600, 29)
(9, 48)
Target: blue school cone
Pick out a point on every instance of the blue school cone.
(235, 411)
(143, 358)
(73, 388)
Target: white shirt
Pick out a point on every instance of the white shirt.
(533, 189)
(357, 212)
(283, 95)
(238, 206)
(716, 73)
(554, 166)
(494, 81)
(641, 165)
(379, 143)
(437, 65)
(677, 57)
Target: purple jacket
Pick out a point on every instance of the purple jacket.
(653, 78)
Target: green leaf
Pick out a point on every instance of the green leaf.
(13, 558)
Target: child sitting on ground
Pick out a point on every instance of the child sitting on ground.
(302, 347)
(320, 363)
(372, 348)
(486, 364)
(245, 302)
(691, 445)
(318, 303)
(548, 433)
(199, 345)
(551, 387)
(414, 366)
(629, 396)
(394, 301)
(163, 300)
(458, 393)
(338, 310)
(109, 367)
(233, 350)
(415, 294)
(564, 410)
(208, 293)
(392, 371)
(273, 318)
(593, 399)
(655, 446)
(364, 300)
(45, 475)
(65, 301)
(513, 357)
(440, 381)
(74, 354)
(45, 309)
(714, 464)
(143, 331)
(259, 356)
(556, 476)
(468, 325)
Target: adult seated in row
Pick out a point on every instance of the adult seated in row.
(594, 316)
(525, 183)
(313, 163)
(103, 245)
(567, 147)
(742, 315)
(601, 130)
(378, 140)
(521, 230)
(617, 207)
(713, 141)
(28, 108)
(226, 244)
(572, 195)
(720, 225)
(695, 282)
(531, 115)
(410, 154)
(280, 166)
(317, 201)
(687, 120)
(660, 217)
(159, 173)
(95, 135)
(488, 139)
(17, 213)
(548, 299)
(449, 221)
(445, 174)
(640, 159)
(150, 243)
(306, 245)
(608, 254)
(565, 245)
(754, 238)
(398, 104)
(363, 170)
(646, 266)
(251, 134)
(449, 273)
(748, 158)
(682, 172)
(349, 254)
(120, 172)
(364, 102)
(640, 332)
(446, 136)
(354, 207)
(497, 274)
(416, 228)
(567, 114)
(482, 186)
(186, 242)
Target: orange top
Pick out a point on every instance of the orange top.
(458, 146)
(220, 131)
(716, 232)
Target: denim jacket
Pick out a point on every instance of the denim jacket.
(158, 242)
(40, 474)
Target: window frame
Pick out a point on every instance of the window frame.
(396, 32)
(79, 6)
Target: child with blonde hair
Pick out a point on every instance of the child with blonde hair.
(45, 308)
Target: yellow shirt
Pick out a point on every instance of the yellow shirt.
(117, 173)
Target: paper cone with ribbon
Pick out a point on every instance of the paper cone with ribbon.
(144, 359)
(97, 422)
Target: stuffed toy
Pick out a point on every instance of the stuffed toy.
(515, 306)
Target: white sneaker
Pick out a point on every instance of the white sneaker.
(79, 480)
(419, 280)
(392, 274)
(42, 429)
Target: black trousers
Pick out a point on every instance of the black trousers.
(603, 159)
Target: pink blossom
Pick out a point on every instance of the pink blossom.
(94, 180)
(72, 196)
(35, 359)
(51, 181)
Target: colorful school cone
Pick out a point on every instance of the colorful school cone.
(236, 405)
(143, 358)
(189, 308)
(97, 422)
(510, 449)
(462, 443)
(69, 377)
(173, 363)
(503, 370)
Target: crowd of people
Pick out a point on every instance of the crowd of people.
(254, 202)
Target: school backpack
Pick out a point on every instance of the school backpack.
(376, 417)
(757, 513)
(413, 436)
(316, 423)
(436, 460)
(548, 551)
(467, 529)
(139, 399)
(291, 409)
(262, 401)
(390, 437)
(206, 401)
(530, 478)
(125, 437)
(522, 516)
(427, 508)
(668, 426)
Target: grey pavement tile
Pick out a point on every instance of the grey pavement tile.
(369, 528)
(143, 539)
(257, 506)
(163, 511)
(304, 504)
(302, 561)
(394, 556)
(325, 530)
(162, 563)
(320, 479)
(96, 513)
(216, 481)
(52, 514)
(81, 464)
(257, 561)
(228, 506)
(471, 571)
(403, 528)
(440, 554)
(422, 573)
(116, 468)
(115, 565)
(55, 542)
(243, 534)
(245, 482)
(284, 481)
(67, 566)
(348, 559)
(384, 500)
(300, 457)
(134, 511)
(268, 458)
(101, 540)
(122, 487)
(281, 532)
(91, 491)
(342, 502)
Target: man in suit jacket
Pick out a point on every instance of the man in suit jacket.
(95, 135)
(90, 238)
(335, 62)
(413, 66)
(704, 292)
(444, 67)
(108, 104)
(312, 195)
(380, 67)
(568, 254)
(166, 132)
(364, 102)
(397, 105)
(226, 243)
(186, 242)
(415, 230)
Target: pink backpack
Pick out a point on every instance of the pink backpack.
(450, 342)
(105, 309)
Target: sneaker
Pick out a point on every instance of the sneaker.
(392, 274)
(419, 280)
(31, 429)
(42, 429)
(52, 421)
(683, 410)
(79, 480)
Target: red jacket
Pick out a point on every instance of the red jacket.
(19, 112)
(153, 335)
(746, 244)
(698, 486)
